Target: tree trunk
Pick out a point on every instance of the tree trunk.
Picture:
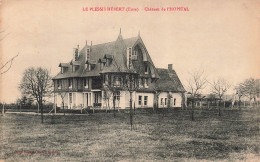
(131, 111)
(192, 110)
(41, 107)
(37, 107)
(63, 108)
(114, 106)
(219, 111)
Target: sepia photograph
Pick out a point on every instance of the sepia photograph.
(110, 80)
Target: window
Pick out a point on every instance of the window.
(146, 83)
(134, 56)
(145, 100)
(165, 101)
(140, 100)
(141, 82)
(59, 84)
(117, 81)
(86, 82)
(146, 69)
(96, 97)
(70, 98)
(70, 83)
(174, 101)
(161, 101)
(116, 95)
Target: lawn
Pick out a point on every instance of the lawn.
(163, 136)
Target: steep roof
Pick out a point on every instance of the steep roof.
(169, 81)
(116, 51)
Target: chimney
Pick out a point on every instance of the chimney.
(91, 43)
(78, 46)
(86, 42)
(170, 67)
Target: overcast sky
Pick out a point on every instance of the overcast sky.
(222, 37)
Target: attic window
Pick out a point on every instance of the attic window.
(145, 83)
(108, 59)
(146, 69)
(134, 56)
(62, 70)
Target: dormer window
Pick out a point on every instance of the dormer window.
(63, 67)
(134, 56)
(141, 82)
(146, 69)
(91, 64)
(75, 65)
(102, 63)
(108, 59)
(145, 83)
(70, 83)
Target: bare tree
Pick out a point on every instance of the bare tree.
(130, 84)
(250, 88)
(8, 64)
(220, 87)
(196, 83)
(36, 82)
(110, 91)
(240, 93)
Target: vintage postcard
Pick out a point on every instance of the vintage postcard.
(129, 80)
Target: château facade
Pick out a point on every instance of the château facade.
(103, 75)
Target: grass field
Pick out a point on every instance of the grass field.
(163, 136)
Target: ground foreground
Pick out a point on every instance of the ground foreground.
(163, 136)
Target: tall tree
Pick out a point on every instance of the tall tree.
(36, 82)
(196, 83)
(240, 93)
(220, 87)
(250, 88)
